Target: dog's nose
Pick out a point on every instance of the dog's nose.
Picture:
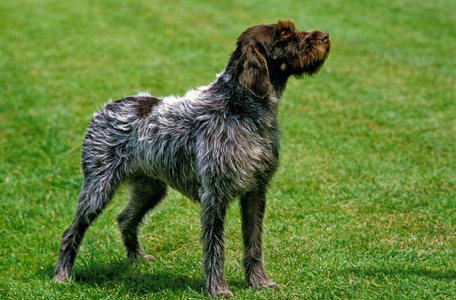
(324, 37)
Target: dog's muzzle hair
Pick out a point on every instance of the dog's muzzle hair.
(215, 144)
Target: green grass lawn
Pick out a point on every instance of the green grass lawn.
(363, 205)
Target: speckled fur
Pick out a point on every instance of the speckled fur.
(214, 144)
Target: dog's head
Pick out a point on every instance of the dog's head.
(269, 54)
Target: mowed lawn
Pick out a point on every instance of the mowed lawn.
(362, 207)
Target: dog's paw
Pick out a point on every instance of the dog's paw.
(265, 284)
(60, 278)
(140, 255)
(270, 285)
(147, 257)
(225, 293)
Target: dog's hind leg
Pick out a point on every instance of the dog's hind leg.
(94, 197)
(145, 193)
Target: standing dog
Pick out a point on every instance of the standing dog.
(213, 145)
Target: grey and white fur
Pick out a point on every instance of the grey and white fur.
(215, 144)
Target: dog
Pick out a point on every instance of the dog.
(215, 144)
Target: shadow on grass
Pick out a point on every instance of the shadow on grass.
(124, 275)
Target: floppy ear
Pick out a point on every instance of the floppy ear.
(254, 74)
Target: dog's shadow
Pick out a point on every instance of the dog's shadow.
(125, 273)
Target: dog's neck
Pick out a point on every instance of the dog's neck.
(227, 78)
(242, 102)
(278, 83)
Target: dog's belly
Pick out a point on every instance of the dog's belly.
(176, 170)
(183, 180)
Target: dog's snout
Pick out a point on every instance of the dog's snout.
(317, 35)
(324, 37)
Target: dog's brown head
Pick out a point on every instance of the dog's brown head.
(267, 55)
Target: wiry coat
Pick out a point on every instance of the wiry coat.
(214, 144)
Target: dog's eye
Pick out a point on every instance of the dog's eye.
(285, 34)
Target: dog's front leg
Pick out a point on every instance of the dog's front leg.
(252, 213)
(212, 236)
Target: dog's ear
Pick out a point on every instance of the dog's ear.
(254, 74)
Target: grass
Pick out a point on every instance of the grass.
(363, 206)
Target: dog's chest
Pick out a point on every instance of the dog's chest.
(238, 152)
